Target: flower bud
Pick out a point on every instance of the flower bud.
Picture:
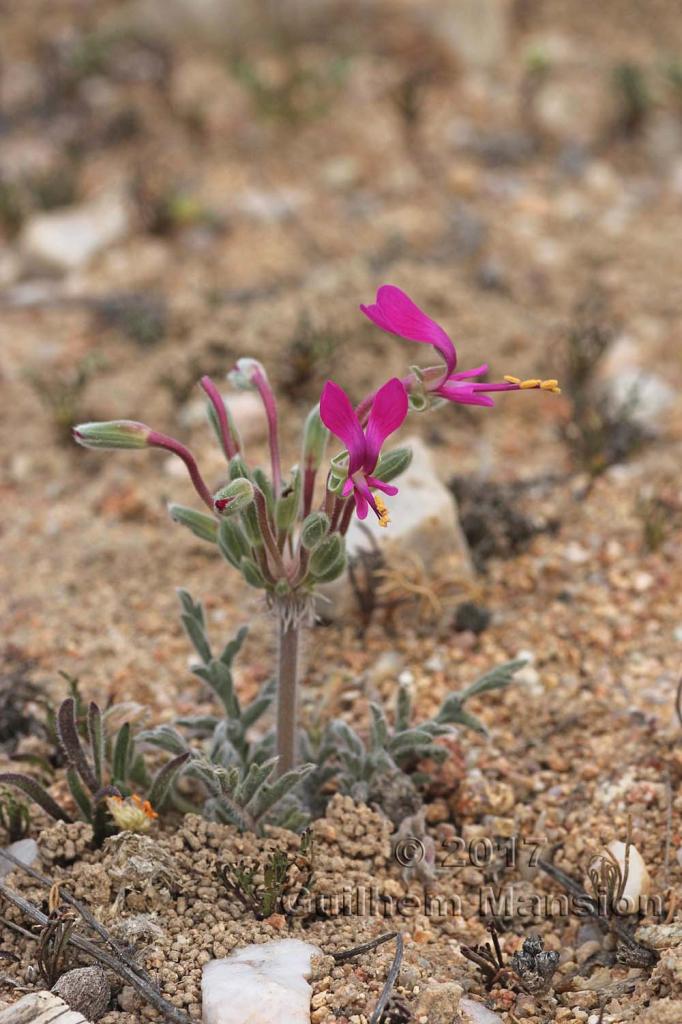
(315, 437)
(327, 555)
(262, 481)
(315, 527)
(286, 507)
(334, 571)
(231, 427)
(232, 542)
(252, 526)
(112, 434)
(392, 464)
(242, 376)
(251, 573)
(201, 525)
(238, 468)
(233, 498)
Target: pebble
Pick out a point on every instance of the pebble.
(260, 984)
(25, 850)
(424, 525)
(68, 238)
(472, 1012)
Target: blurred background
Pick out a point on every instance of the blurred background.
(186, 181)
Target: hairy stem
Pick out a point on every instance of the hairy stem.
(270, 406)
(289, 627)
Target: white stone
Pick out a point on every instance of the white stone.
(41, 1008)
(68, 238)
(423, 517)
(424, 523)
(246, 409)
(627, 381)
(25, 850)
(260, 984)
(269, 206)
(638, 882)
(475, 31)
(471, 1012)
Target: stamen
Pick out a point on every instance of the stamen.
(512, 380)
(530, 384)
(384, 518)
(551, 385)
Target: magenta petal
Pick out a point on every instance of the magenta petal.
(347, 487)
(388, 411)
(338, 415)
(361, 504)
(379, 485)
(395, 312)
(463, 394)
(478, 371)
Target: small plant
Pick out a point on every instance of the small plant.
(63, 391)
(233, 770)
(600, 431)
(363, 770)
(301, 92)
(307, 356)
(274, 884)
(15, 817)
(285, 532)
(530, 970)
(633, 98)
(141, 318)
(100, 776)
(53, 945)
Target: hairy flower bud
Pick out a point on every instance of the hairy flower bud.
(315, 527)
(328, 556)
(238, 468)
(334, 571)
(201, 525)
(392, 464)
(112, 434)
(286, 507)
(262, 481)
(251, 573)
(315, 437)
(244, 372)
(233, 498)
(232, 542)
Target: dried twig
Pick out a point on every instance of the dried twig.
(114, 962)
(640, 955)
(66, 896)
(390, 981)
(678, 701)
(366, 947)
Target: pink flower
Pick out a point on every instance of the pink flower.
(395, 312)
(386, 414)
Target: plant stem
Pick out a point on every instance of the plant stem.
(289, 627)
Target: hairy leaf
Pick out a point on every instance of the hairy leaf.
(36, 793)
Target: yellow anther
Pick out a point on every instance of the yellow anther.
(512, 380)
(384, 518)
(551, 385)
(530, 384)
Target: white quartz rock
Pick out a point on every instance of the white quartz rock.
(472, 1012)
(424, 527)
(25, 850)
(260, 984)
(67, 238)
(638, 882)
